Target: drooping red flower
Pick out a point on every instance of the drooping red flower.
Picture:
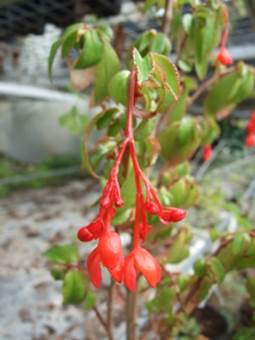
(141, 261)
(207, 152)
(250, 128)
(224, 57)
(250, 140)
(108, 253)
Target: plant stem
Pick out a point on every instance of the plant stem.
(131, 315)
(207, 84)
(109, 308)
(167, 16)
(103, 323)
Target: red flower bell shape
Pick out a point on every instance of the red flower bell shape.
(250, 141)
(109, 254)
(250, 128)
(207, 152)
(224, 57)
(141, 261)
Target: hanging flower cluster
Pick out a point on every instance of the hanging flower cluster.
(109, 252)
(250, 130)
(207, 152)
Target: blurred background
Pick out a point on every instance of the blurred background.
(44, 196)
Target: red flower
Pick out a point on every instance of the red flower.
(166, 215)
(109, 254)
(224, 57)
(207, 152)
(250, 140)
(251, 124)
(141, 261)
(91, 231)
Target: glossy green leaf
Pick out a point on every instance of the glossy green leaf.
(90, 300)
(179, 140)
(86, 164)
(53, 52)
(240, 243)
(105, 70)
(66, 254)
(105, 120)
(200, 267)
(143, 66)
(92, 50)
(73, 121)
(118, 87)
(215, 269)
(74, 287)
(160, 44)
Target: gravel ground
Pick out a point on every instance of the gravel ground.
(31, 301)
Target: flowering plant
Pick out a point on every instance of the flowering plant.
(147, 139)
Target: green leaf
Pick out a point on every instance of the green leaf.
(179, 250)
(65, 254)
(73, 121)
(229, 90)
(145, 129)
(187, 22)
(143, 66)
(180, 140)
(128, 191)
(166, 72)
(86, 164)
(200, 267)
(90, 300)
(92, 50)
(74, 287)
(215, 270)
(106, 119)
(69, 41)
(53, 51)
(240, 243)
(160, 44)
(118, 87)
(105, 70)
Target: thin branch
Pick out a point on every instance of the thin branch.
(207, 84)
(109, 308)
(131, 315)
(103, 323)
(167, 16)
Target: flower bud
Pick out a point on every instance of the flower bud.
(172, 215)
(84, 235)
(250, 141)
(207, 152)
(224, 57)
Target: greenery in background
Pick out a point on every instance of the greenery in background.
(13, 170)
(166, 135)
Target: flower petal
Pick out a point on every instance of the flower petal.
(93, 264)
(148, 266)
(110, 249)
(117, 272)
(130, 273)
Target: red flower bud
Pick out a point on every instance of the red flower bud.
(250, 141)
(110, 249)
(141, 261)
(91, 231)
(250, 127)
(152, 207)
(207, 152)
(84, 235)
(224, 57)
(172, 215)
